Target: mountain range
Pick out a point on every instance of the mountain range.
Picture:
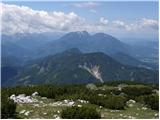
(76, 57)
(29, 47)
(74, 67)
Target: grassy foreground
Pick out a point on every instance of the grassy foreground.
(117, 100)
(44, 109)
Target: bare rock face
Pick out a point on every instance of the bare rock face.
(22, 98)
(130, 103)
(93, 70)
(34, 94)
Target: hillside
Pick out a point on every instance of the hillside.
(74, 67)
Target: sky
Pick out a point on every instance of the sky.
(121, 19)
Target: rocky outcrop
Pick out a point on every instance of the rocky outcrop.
(93, 70)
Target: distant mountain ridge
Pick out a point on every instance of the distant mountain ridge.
(21, 50)
(98, 42)
(74, 67)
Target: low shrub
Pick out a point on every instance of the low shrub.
(8, 108)
(137, 90)
(115, 102)
(109, 101)
(152, 101)
(80, 113)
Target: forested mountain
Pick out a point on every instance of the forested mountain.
(74, 67)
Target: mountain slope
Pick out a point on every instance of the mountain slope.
(74, 67)
(145, 50)
(33, 46)
(131, 61)
(7, 73)
(87, 43)
(98, 42)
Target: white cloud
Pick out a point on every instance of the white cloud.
(22, 19)
(86, 4)
(147, 23)
(103, 21)
(140, 24)
(118, 23)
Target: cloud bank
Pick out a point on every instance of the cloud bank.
(86, 4)
(22, 19)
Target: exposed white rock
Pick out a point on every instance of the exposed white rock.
(91, 86)
(125, 116)
(130, 105)
(22, 111)
(21, 95)
(93, 70)
(71, 103)
(79, 105)
(120, 86)
(58, 111)
(36, 105)
(156, 115)
(56, 117)
(59, 103)
(35, 94)
(27, 113)
(114, 111)
(122, 94)
(42, 70)
(63, 103)
(21, 98)
(66, 101)
(12, 96)
(132, 101)
(44, 105)
(102, 115)
(131, 117)
(156, 91)
(83, 101)
(100, 94)
(100, 107)
(44, 113)
(144, 108)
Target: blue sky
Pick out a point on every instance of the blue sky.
(110, 10)
(116, 18)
